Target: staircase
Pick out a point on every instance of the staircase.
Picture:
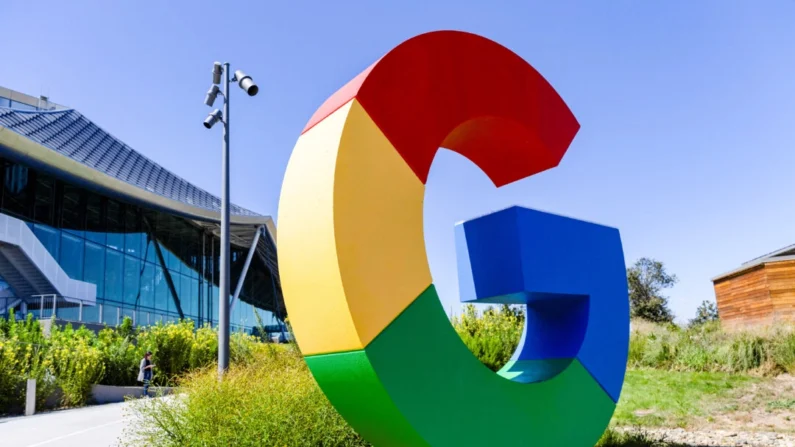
(30, 270)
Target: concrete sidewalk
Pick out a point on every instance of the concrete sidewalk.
(94, 426)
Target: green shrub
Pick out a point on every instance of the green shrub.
(76, 362)
(121, 357)
(204, 349)
(74, 359)
(171, 345)
(23, 355)
(272, 400)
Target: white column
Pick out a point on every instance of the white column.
(30, 398)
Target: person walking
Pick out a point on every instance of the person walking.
(145, 372)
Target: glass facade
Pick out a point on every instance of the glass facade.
(147, 264)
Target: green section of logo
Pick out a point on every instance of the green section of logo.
(416, 384)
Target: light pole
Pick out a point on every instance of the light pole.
(248, 85)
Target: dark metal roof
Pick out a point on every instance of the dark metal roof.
(71, 134)
(782, 254)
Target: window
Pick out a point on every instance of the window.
(115, 228)
(95, 225)
(150, 252)
(49, 237)
(235, 317)
(43, 208)
(187, 300)
(132, 238)
(73, 210)
(22, 106)
(194, 293)
(214, 305)
(163, 301)
(94, 270)
(114, 275)
(110, 315)
(15, 190)
(142, 318)
(132, 274)
(91, 313)
(148, 286)
(72, 256)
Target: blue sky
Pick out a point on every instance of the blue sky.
(687, 108)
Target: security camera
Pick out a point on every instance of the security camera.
(217, 70)
(213, 118)
(246, 83)
(211, 95)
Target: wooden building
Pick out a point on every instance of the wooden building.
(760, 292)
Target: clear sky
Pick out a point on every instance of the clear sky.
(687, 108)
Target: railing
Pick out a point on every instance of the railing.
(44, 307)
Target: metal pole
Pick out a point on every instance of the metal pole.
(243, 273)
(223, 281)
(54, 302)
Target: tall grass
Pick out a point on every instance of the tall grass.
(707, 348)
(271, 400)
(493, 335)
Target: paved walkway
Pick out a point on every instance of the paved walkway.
(95, 426)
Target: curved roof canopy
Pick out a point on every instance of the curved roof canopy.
(77, 139)
(68, 145)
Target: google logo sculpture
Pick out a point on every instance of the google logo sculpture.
(355, 274)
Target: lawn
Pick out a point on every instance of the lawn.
(656, 398)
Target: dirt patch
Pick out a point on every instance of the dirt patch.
(764, 406)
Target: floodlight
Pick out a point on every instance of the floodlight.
(217, 70)
(211, 95)
(246, 83)
(212, 118)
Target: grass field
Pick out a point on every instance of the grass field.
(655, 398)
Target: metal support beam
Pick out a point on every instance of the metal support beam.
(249, 256)
(166, 272)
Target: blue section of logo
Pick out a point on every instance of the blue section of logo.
(571, 277)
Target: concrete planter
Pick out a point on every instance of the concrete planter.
(105, 394)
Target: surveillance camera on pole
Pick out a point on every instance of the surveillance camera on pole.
(213, 118)
(218, 69)
(246, 83)
(211, 95)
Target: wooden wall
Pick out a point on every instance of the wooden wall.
(759, 296)
(781, 284)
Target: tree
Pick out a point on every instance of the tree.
(647, 278)
(707, 311)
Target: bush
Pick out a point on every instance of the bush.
(493, 335)
(74, 359)
(272, 400)
(76, 362)
(121, 357)
(23, 355)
